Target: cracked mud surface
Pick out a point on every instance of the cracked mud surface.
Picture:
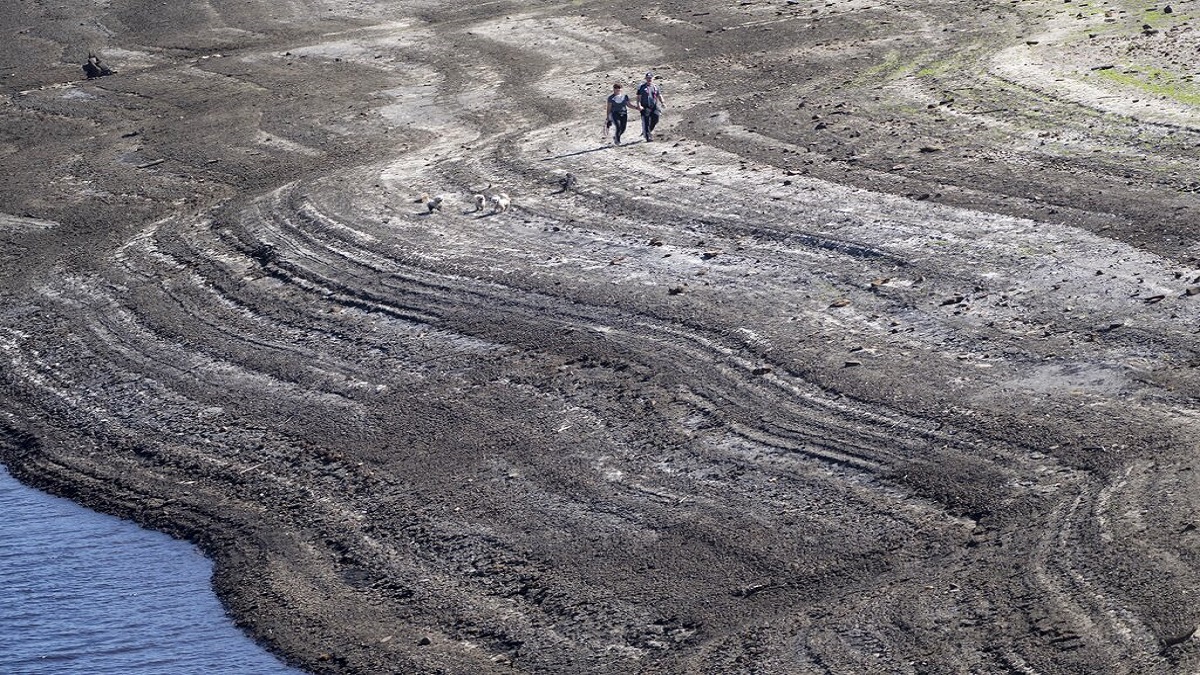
(881, 358)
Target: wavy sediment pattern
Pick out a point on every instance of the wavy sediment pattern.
(697, 412)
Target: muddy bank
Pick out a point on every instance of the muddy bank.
(880, 358)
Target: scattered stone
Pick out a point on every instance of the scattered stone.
(852, 364)
(264, 253)
(953, 301)
(840, 302)
(709, 255)
(1192, 290)
(424, 641)
(1155, 298)
(656, 242)
(760, 371)
(675, 290)
(750, 589)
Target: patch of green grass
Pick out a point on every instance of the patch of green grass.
(956, 61)
(1157, 81)
(891, 68)
(1158, 19)
(923, 65)
(1129, 21)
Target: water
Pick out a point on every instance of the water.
(86, 593)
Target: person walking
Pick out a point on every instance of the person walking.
(650, 102)
(616, 110)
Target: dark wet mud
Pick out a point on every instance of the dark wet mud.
(879, 358)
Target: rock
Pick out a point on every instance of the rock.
(424, 641)
(840, 302)
(1192, 290)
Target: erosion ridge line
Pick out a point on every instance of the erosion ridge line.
(880, 358)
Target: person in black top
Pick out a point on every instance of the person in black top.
(615, 109)
(650, 102)
(94, 68)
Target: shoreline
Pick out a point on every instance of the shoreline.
(78, 598)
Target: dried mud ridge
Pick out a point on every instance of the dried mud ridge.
(715, 408)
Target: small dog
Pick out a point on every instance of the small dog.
(500, 202)
(567, 182)
(434, 204)
(480, 200)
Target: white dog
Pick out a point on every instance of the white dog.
(500, 202)
(480, 200)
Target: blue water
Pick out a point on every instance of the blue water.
(86, 593)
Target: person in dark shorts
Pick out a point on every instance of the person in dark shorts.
(616, 110)
(650, 102)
